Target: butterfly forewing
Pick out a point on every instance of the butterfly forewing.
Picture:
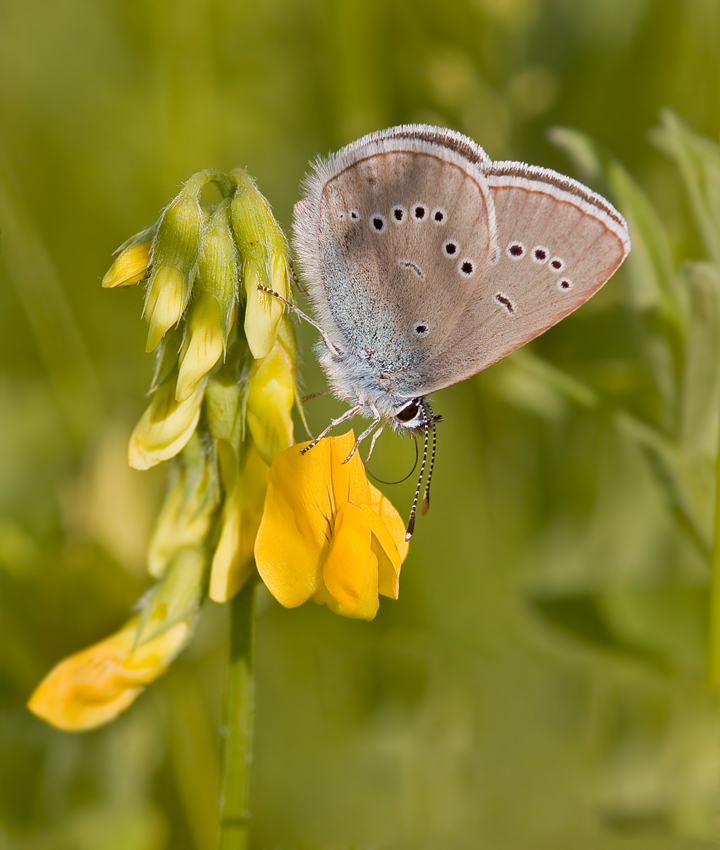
(411, 231)
(557, 245)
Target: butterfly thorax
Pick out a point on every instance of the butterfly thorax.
(359, 378)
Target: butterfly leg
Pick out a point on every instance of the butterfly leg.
(373, 441)
(300, 313)
(362, 436)
(347, 415)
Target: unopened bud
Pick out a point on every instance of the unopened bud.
(271, 396)
(130, 266)
(176, 252)
(218, 270)
(187, 512)
(176, 598)
(242, 510)
(165, 427)
(264, 253)
(203, 345)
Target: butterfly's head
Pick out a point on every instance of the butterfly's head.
(414, 415)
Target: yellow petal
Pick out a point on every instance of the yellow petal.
(350, 572)
(164, 303)
(389, 544)
(297, 524)
(271, 396)
(349, 482)
(165, 427)
(130, 266)
(95, 685)
(203, 345)
(232, 562)
(262, 312)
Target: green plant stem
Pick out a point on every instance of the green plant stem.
(714, 644)
(238, 710)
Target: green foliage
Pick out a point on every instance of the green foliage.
(541, 681)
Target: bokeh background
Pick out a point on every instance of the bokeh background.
(541, 681)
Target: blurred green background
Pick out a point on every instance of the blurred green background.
(540, 683)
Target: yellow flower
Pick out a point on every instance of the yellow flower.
(264, 252)
(93, 686)
(165, 303)
(271, 396)
(203, 345)
(131, 266)
(327, 534)
(244, 493)
(166, 426)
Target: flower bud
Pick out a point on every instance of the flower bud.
(176, 252)
(224, 406)
(176, 598)
(187, 513)
(203, 345)
(219, 269)
(242, 510)
(130, 266)
(164, 303)
(271, 395)
(264, 253)
(165, 427)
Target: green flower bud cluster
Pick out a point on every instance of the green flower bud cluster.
(224, 386)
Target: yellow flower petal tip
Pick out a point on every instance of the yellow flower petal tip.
(203, 346)
(326, 534)
(262, 314)
(165, 428)
(271, 396)
(130, 266)
(164, 304)
(95, 685)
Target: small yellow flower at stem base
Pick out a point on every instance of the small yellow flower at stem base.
(166, 426)
(95, 685)
(327, 534)
(130, 267)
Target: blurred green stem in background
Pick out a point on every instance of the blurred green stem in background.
(714, 647)
(238, 722)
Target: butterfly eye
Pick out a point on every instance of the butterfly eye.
(409, 412)
(439, 215)
(450, 248)
(421, 329)
(540, 254)
(420, 211)
(565, 284)
(516, 250)
(556, 264)
(354, 215)
(466, 268)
